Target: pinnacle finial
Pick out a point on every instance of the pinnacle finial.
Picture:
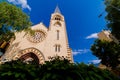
(57, 10)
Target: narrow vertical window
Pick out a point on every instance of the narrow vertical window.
(57, 34)
(55, 48)
(58, 48)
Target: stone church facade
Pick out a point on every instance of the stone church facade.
(45, 43)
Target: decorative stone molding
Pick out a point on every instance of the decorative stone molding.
(31, 50)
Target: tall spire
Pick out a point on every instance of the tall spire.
(57, 10)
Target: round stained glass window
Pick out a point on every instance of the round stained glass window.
(38, 36)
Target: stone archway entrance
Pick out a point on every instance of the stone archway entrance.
(30, 57)
(31, 54)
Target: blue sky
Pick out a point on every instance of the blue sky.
(82, 21)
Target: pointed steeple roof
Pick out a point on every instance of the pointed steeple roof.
(57, 10)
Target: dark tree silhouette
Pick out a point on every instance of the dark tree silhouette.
(55, 69)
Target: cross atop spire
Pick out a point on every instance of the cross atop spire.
(57, 10)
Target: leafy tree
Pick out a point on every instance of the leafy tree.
(55, 69)
(107, 52)
(113, 16)
(12, 19)
(18, 70)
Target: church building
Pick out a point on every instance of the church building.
(45, 43)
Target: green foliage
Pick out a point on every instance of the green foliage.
(55, 69)
(12, 19)
(107, 52)
(113, 16)
(17, 70)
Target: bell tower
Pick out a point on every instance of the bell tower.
(58, 36)
(57, 19)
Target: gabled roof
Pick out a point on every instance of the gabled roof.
(40, 26)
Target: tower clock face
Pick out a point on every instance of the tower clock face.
(57, 24)
(37, 37)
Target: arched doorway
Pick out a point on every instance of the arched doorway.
(30, 58)
(30, 55)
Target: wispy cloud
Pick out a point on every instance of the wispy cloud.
(23, 3)
(95, 61)
(93, 35)
(80, 51)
